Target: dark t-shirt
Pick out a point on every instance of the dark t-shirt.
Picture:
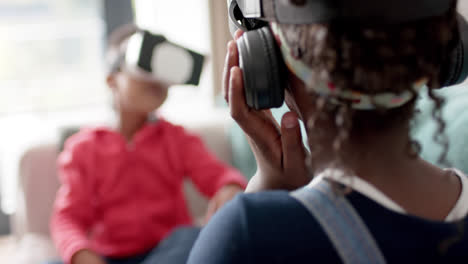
(272, 227)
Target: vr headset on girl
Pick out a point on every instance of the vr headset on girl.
(260, 57)
(150, 57)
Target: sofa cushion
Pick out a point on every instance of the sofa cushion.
(455, 116)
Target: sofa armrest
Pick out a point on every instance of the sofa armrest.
(38, 186)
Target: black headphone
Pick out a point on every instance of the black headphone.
(261, 60)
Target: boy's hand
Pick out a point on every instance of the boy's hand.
(278, 150)
(224, 195)
(87, 257)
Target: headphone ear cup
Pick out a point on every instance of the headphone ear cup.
(455, 69)
(263, 68)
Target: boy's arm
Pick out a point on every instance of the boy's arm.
(73, 211)
(208, 173)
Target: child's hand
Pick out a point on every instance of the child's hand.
(224, 195)
(278, 150)
(87, 257)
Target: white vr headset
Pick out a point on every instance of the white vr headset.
(153, 57)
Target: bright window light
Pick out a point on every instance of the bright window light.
(185, 22)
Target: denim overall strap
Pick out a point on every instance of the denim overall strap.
(342, 224)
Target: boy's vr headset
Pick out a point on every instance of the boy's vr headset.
(260, 57)
(153, 57)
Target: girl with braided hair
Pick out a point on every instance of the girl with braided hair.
(374, 200)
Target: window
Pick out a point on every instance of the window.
(51, 54)
(52, 62)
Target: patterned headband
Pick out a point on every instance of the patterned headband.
(358, 100)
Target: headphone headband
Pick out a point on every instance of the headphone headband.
(318, 11)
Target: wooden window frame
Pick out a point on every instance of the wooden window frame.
(220, 36)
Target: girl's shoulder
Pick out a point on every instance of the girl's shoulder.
(266, 227)
(273, 227)
(276, 219)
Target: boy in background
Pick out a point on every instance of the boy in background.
(122, 188)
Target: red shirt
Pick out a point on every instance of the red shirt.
(120, 199)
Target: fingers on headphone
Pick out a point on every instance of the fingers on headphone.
(232, 59)
(238, 108)
(289, 120)
(291, 140)
(238, 34)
